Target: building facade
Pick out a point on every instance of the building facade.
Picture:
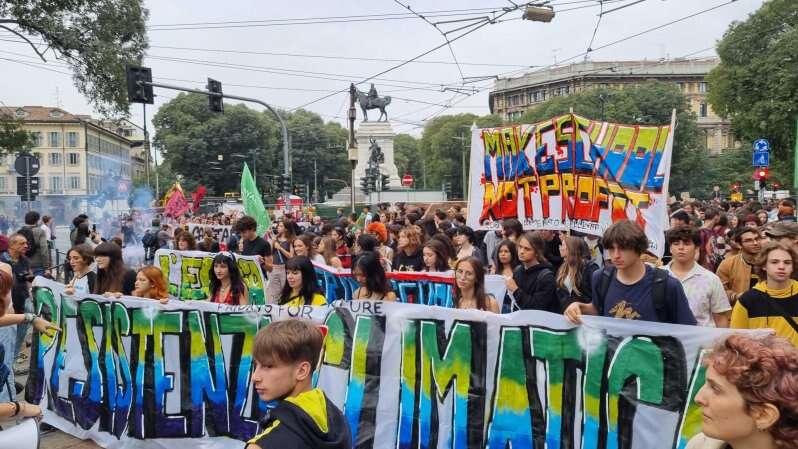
(512, 97)
(78, 161)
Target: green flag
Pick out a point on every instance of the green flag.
(253, 204)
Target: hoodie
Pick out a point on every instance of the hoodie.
(536, 288)
(757, 309)
(306, 421)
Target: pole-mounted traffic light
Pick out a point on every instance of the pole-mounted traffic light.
(384, 181)
(137, 90)
(215, 102)
(761, 174)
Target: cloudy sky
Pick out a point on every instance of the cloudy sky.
(305, 53)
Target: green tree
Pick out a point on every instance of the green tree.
(406, 156)
(12, 137)
(191, 139)
(97, 38)
(445, 142)
(319, 143)
(649, 103)
(756, 82)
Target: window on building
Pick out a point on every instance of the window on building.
(56, 184)
(74, 182)
(680, 85)
(703, 112)
(72, 139)
(55, 159)
(73, 158)
(703, 88)
(37, 139)
(54, 139)
(3, 183)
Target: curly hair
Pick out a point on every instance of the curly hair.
(765, 371)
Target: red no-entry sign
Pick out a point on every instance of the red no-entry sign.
(407, 180)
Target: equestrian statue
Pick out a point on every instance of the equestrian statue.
(371, 100)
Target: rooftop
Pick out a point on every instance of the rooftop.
(41, 114)
(609, 69)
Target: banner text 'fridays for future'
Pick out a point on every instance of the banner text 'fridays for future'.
(406, 376)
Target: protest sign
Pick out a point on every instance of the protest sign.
(220, 232)
(136, 374)
(188, 275)
(572, 173)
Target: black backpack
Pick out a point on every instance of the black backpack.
(32, 245)
(663, 307)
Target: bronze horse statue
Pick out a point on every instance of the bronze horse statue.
(367, 102)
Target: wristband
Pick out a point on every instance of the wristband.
(29, 318)
(17, 408)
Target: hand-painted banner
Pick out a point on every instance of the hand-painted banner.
(573, 173)
(136, 374)
(220, 232)
(188, 274)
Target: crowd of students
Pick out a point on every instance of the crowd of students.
(717, 272)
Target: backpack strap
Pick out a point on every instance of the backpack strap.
(663, 306)
(607, 275)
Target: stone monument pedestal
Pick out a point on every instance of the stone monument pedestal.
(384, 135)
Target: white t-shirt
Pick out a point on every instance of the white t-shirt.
(705, 294)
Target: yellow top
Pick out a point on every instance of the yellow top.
(296, 301)
(754, 311)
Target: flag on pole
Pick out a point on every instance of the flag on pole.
(253, 204)
(177, 205)
(197, 197)
(176, 187)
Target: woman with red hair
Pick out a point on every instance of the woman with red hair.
(151, 284)
(380, 232)
(750, 396)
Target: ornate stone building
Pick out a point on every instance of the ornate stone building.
(511, 97)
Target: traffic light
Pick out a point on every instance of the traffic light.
(215, 102)
(284, 183)
(447, 187)
(384, 181)
(365, 184)
(137, 91)
(761, 174)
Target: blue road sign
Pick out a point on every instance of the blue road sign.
(761, 159)
(761, 145)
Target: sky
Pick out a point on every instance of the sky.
(305, 53)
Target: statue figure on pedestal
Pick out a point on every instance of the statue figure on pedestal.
(372, 100)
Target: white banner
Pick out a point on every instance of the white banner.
(135, 374)
(572, 173)
(221, 233)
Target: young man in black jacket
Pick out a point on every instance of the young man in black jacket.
(286, 354)
(532, 285)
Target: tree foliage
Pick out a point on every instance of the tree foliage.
(97, 38)
(445, 140)
(12, 137)
(406, 156)
(756, 82)
(649, 103)
(192, 139)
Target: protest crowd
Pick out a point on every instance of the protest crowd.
(726, 264)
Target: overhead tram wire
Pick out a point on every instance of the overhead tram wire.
(507, 11)
(364, 17)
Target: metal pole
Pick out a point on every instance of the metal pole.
(284, 128)
(27, 179)
(795, 164)
(146, 145)
(352, 147)
(315, 182)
